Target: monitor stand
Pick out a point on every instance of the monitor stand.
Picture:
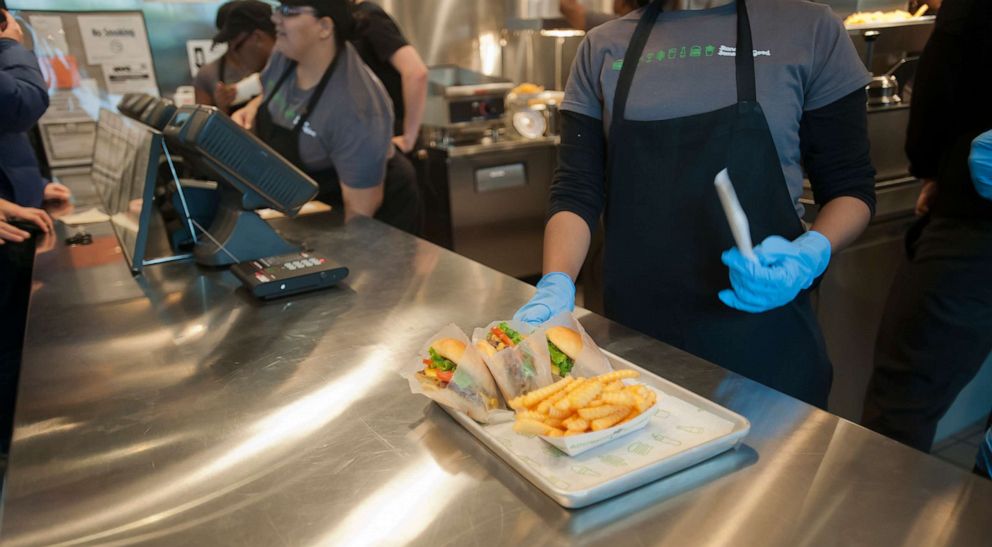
(237, 235)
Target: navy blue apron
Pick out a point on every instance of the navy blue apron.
(665, 231)
(401, 205)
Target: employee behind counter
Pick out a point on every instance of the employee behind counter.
(324, 112)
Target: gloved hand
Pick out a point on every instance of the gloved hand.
(555, 294)
(980, 162)
(783, 269)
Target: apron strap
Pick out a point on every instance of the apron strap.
(275, 89)
(302, 116)
(222, 68)
(634, 50)
(318, 90)
(744, 60)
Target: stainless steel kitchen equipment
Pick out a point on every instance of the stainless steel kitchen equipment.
(485, 188)
(461, 98)
(883, 91)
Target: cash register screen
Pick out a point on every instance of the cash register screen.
(126, 156)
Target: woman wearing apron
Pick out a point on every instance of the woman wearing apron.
(324, 112)
(656, 105)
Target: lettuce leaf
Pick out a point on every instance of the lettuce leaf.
(510, 333)
(439, 362)
(562, 362)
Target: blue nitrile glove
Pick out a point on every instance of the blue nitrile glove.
(555, 294)
(980, 162)
(783, 269)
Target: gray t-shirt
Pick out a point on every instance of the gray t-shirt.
(350, 128)
(803, 60)
(209, 74)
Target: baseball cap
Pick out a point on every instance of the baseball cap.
(240, 16)
(338, 10)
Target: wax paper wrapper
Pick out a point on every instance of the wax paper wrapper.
(519, 369)
(471, 389)
(591, 361)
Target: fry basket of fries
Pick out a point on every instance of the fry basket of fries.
(578, 414)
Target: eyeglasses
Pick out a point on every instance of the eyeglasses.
(293, 11)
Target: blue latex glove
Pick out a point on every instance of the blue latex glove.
(555, 294)
(783, 269)
(980, 162)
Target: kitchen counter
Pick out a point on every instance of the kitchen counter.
(173, 409)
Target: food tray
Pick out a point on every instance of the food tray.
(687, 430)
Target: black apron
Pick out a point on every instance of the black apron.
(665, 231)
(401, 201)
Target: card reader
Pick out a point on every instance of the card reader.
(293, 273)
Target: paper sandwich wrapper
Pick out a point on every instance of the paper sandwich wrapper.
(520, 369)
(472, 389)
(591, 361)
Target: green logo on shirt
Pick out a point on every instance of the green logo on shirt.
(672, 54)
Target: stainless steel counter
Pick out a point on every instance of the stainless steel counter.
(174, 410)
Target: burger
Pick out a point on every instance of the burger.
(499, 338)
(440, 367)
(439, 371)
(514, 371)
(564, 345)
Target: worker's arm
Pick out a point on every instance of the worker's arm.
(413, 72)
(202, 97)
(566, 242)
(245, 117)
(835, 152)
(574, 13)
(576, 202)
(361, 201)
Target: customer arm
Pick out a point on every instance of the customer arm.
(23, 94)
(835, 152)
(413, 72)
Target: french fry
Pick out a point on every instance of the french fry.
(600, 411)
(580, 397)
(576, 423)
(613, 386)
(542, 407)
(555, 412)
(531, 427)
(609, 421)
(531, 415)
(576, 384)
(538, 395)
(617, 375)
(621, 398)
(574, 406)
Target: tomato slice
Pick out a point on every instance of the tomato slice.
(445, 375)
(502, 337)
(427, 362)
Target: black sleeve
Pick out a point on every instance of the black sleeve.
(579, 184)
(833, 141)
(383, 34)
(944, 104)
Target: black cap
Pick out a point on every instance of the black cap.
(338, 10)
(240, 16)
